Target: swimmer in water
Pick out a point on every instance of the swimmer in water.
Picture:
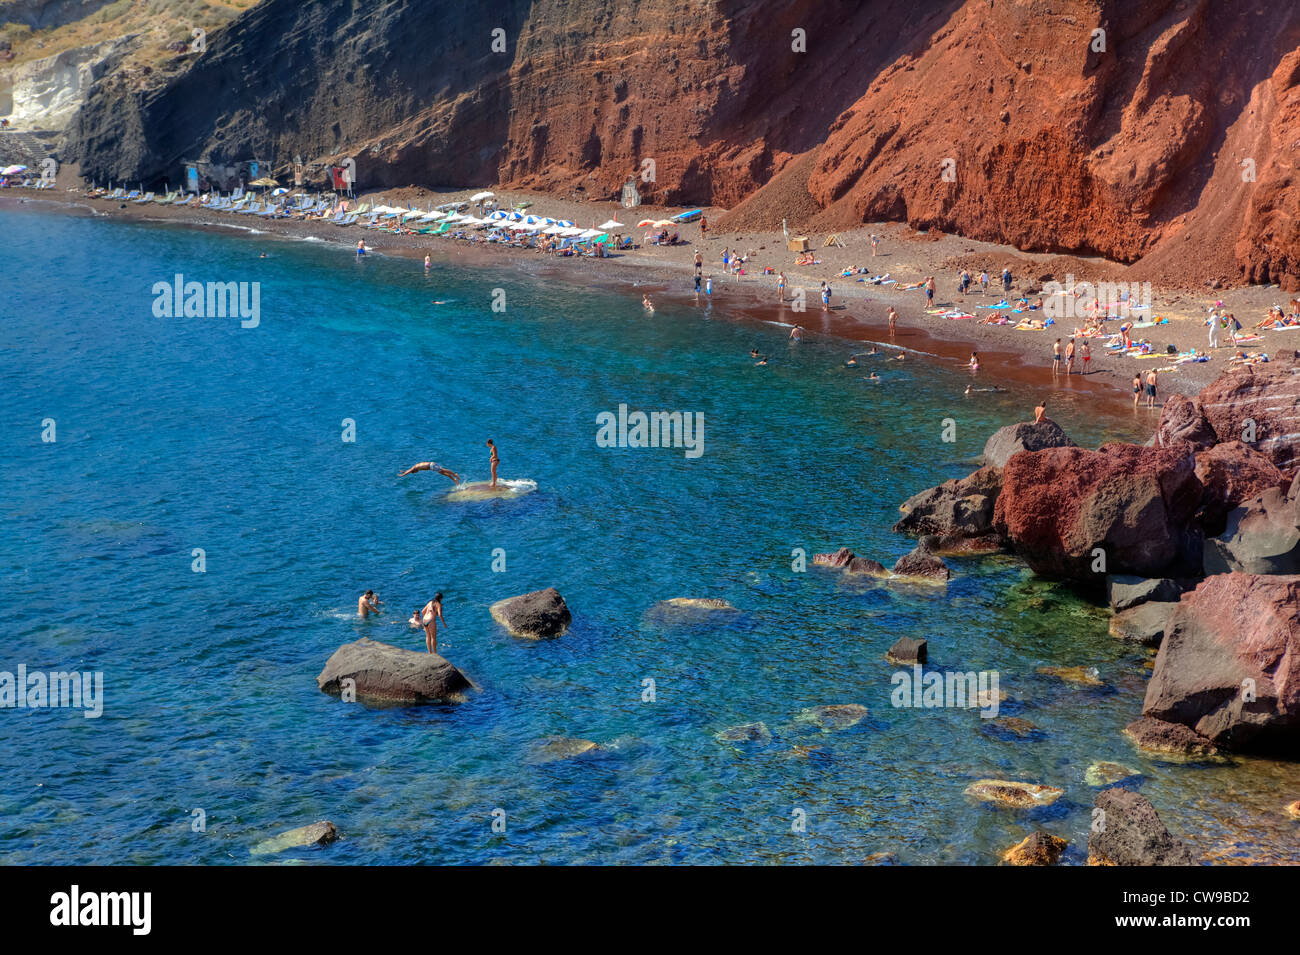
(415, 620)
(753, 353)
(432, 466)
(493, 459)
(873, 377)
(262, 256)
(361, 247)
(899, 357)
(974, 361)
(648, 305)
(428, 263)
(761, 361)
(367, 604)
(796, 333)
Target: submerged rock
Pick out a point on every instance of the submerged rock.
(1009, 727)
(564, 747)
(836, 559)
(1293, 810)
(535, 616)
(1229, 666)
(834, 716)
(317, 834)
(1037, 848)
(1013, 794)
(1108, 774)
(745, 733)
(867, 567)
(388, 674)
(1025, 436)
(1169, 741)
(881, 858)
(1083, 676)
(1126, 830)
(908, 650)
(844, 559)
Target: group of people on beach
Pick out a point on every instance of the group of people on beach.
(1069, 356)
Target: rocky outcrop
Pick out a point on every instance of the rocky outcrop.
(1232, 473)
(1082, 514)
(381, 673)
(535, 616)
(1125, 591)
(1229, 666)
(1258, 405)
(836, 560)
(957, 508)
(1169, 741)
(1126, 830)
(845, 560)
(1025, 436)
(920, 564)
(1262, 537)
(1037, 848)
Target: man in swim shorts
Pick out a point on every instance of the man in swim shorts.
(1056, 358)
(493, 459)
(1151, 388)
(432, 466)
(367, 604)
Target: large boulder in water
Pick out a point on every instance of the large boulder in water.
(1126, 590)
(388, 674)
(1062, 508)
(956, 508)
(1025, 436)
(1232, 473)
(920, 564)
(838, 559)
(1127, 830)
(1144, 624)
(1229, 665)
(1169, 742)
(536, 616)
(1261, 537)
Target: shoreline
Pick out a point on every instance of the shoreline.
(667, 273)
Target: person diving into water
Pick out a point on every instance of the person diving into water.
(432, 466)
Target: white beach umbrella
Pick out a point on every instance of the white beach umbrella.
(572, 231)
(611, 224)
(479, 196)
(553, 230)
(591, 233)
(431, 216)
(565, 223)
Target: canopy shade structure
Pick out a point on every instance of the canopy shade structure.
(644, 223)
(264, 181)
(572, 231)
(611, 224)
(553, 230)
(480, 196)
(432, 216)
(663, 223)
(12, 170)
(592, 233)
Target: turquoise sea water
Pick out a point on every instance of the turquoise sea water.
(183, 433)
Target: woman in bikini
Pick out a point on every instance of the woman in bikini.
(430, 616)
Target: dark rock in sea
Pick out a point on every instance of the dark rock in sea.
(317, 834)
(1229, 666)
(1144, 624)
(1025, 436)
(1261, 537)
(867, 567)
(1037, 848)
(1231, 474)
(907, 650)
(564, 747)
(956, 508)
(1125, 590)
(834, 716)
(955, 545)
(1081, 514)
(536, 616)
(388, 674)
(1170, 742)
(1126, 830)
(836, 559)
(920, 564)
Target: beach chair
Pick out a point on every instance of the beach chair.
(147, 197)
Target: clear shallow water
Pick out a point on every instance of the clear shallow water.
(182, 433)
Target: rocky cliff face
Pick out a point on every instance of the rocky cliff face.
(1156, 132)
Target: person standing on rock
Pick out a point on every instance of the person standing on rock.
(494, 459)
(430, 616)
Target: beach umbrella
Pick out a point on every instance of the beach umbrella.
(12, 170)
(591, 233)
(611, 224)
(663, 223)
(279, 192)
(480, 196)
(553, 230)
(644, 223)
(565, 224)
(571, 231)
(432, 216)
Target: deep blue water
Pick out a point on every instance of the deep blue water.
(183, 433)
